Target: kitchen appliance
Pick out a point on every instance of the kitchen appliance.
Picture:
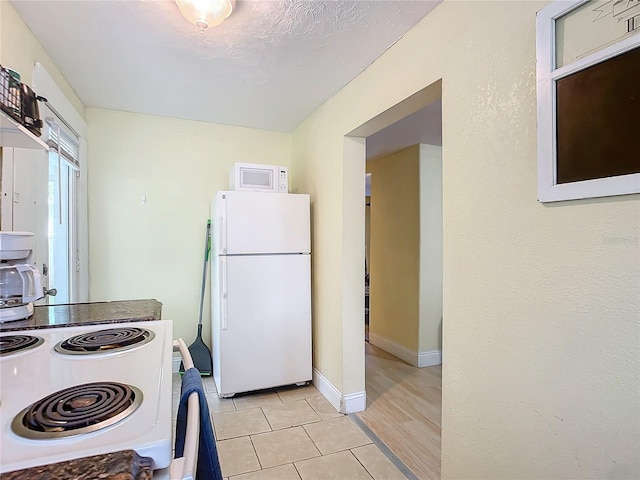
(250, 177)
(10, 92)
(30, 110)
(20, 280)
(20, 101)
(261, 291)
(107, 387)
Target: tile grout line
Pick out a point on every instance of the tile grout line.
(312, 442)
(314, 410)
(383, 448)
(363, 465)
(256, 452)
(296, 469)
(267, 419)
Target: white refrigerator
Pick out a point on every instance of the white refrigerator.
(261, 291)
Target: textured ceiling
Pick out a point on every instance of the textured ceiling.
(268, 66)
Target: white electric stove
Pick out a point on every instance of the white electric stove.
(74, 394)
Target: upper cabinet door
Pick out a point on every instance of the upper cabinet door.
(263, 223)
(24, 200)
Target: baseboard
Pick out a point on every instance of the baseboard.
(351, 403)
(327, 389)
(429, 359)
(417, 359)
(354, 402)
(394, 348)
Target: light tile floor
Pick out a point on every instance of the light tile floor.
(290, 434)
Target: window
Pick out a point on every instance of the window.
(588, 93)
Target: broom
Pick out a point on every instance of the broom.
(199, 351)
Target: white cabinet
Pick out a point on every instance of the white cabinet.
(17, 202)
(24, 178)
(12, 134)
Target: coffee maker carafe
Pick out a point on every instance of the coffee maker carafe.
(20, 280)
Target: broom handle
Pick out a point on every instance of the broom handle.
(207, 247)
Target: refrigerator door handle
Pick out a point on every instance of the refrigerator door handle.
(223, 303)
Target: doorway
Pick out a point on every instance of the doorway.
(403, 286)
(62, 212)
(403, 238)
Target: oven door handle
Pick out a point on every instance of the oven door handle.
(184, 468)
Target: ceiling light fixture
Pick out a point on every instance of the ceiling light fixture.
(206, 13)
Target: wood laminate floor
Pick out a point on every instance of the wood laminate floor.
(404, 405)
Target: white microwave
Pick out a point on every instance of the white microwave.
(250, 177)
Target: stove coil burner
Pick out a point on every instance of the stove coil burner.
(77, 410)
(18, 343)
(109, 340)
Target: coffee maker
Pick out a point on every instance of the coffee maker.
(20, 280)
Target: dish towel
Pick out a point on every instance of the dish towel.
(208, 462)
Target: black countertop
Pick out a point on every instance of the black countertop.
(93, 313)
(124, 465)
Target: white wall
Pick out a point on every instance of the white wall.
(155, 250)
(395, 252)
(541, 310)
(430, 323)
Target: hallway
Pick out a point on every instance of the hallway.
(404, 405)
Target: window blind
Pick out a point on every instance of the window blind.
(65, 143)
